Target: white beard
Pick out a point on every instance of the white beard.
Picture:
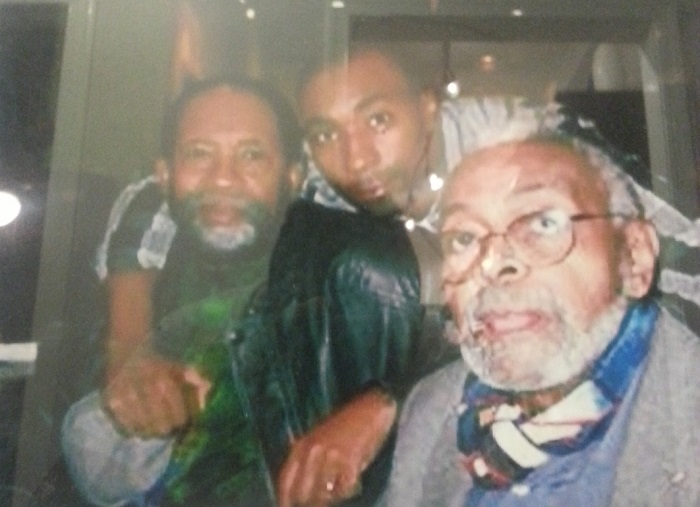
(228, 239)
(530, 362)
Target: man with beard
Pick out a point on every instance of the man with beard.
(578, 389)
(172, 424)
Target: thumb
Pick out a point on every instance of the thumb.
(200, 384)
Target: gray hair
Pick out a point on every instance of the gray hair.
(489, 121)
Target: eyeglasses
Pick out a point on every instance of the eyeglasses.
(537, 239)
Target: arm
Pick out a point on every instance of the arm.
(326, 464)
(372, 335)
(144, 393)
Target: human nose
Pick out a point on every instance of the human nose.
(498, 262)
(362, 153)
(225, 173)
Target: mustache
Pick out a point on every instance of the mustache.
(236, 202)
(188, 207)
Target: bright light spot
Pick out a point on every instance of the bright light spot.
(410, 224)
(250, 13)
(436, 182)
(517, 12)
(9, 208)
(452, 89)
(338, 4)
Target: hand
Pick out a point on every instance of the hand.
(150, 396)
(325, 465)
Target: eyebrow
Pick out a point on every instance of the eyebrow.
(363, 104)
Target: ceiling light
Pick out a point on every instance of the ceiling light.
(9, 208)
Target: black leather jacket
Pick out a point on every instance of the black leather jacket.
(344, 297)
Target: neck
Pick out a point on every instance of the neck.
(534, 402)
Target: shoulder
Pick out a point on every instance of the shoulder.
(663, 423)
(439, 391)
(427, 422)
(139, 230)
(676, 342)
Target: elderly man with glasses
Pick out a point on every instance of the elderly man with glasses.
(578, 390)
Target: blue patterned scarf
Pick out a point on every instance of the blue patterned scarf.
(502, 444)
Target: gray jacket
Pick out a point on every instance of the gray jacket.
(660, 463)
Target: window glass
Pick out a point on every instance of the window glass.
(122, 249)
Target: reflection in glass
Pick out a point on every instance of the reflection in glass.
(31, 44)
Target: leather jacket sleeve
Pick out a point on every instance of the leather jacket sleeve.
(345, 299)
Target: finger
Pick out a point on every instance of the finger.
(164, 403)
(286, 481)
(314, 478)
(200, 384)
(341, 474)
(125, 410)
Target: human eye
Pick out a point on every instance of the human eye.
(380, 120)
(547, 223)
(196, 152)
(321, 135)
(457, 242)
(252, 153)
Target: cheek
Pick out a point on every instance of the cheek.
(186, 183)
(263, 187)
(584, 290)
(329, 161)
(457, 298)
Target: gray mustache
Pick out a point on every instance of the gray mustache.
(223, 200)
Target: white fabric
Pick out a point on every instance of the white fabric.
(108, 468)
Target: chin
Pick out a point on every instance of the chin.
(228, 239)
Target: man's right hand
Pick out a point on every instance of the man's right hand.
(150, 396)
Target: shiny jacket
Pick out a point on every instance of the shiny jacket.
(344, 296)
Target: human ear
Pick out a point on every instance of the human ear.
(161, 171)
(641, 251)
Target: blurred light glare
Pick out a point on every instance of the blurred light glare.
(338, 4)
(487, 63)
(9, 208)
(452, 89)
(250, 13)
(436, 182)
(517, 12)
(410, 224)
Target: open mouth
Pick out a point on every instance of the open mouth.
(220, 214)
(495, 324)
